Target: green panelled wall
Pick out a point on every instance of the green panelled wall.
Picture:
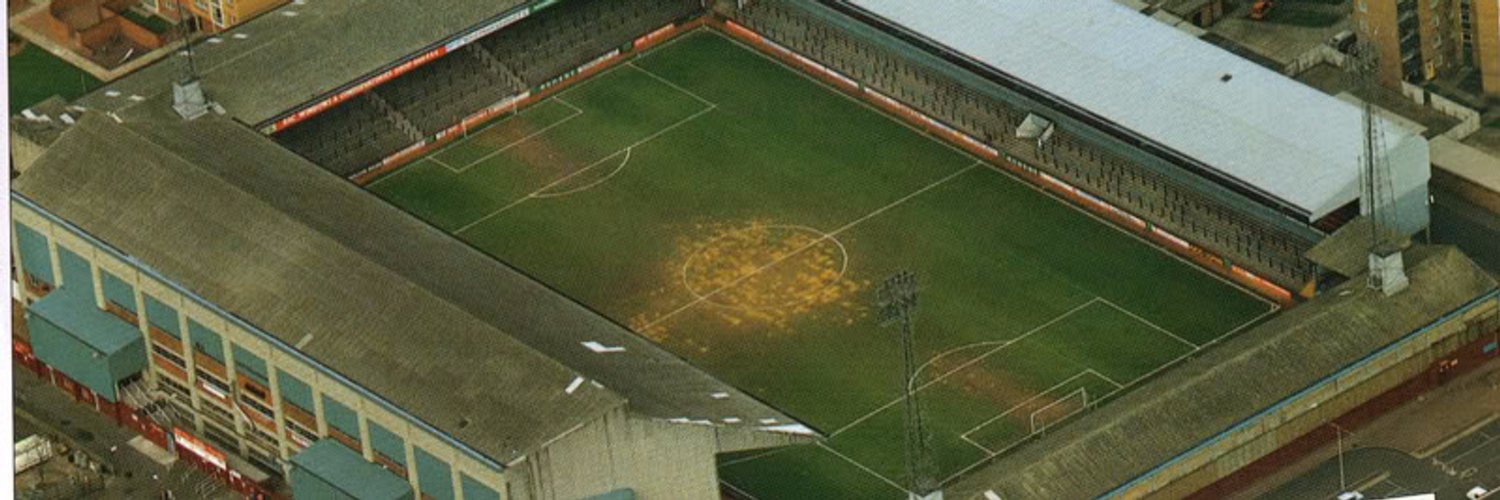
(440, 486)
(250, 365)
(341, 417)
(328, 470)
(294, 391)
(162, 316)
(75, 272)
(35, 258)
(206, 341)
(388, 444)
(475, 490)
(117, 290)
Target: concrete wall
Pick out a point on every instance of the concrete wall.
(1320, 404)
(657, 460)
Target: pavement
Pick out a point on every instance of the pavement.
(1445, 442)
(41, 407)
(1472, 460)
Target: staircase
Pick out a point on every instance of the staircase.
(396, 117)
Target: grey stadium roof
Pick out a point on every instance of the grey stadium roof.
(1268, 132)
(394, 304)
(303, 50)
(1211, 392)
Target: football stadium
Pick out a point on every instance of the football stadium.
(618, 249)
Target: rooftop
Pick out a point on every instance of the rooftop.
(301, 51)
(1250, 125)
(1206, 395)
(398, 306)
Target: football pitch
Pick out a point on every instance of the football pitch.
(742, 216)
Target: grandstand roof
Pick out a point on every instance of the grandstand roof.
(1209, 393)
(1250, 125)
(303, 50)
(394, 304)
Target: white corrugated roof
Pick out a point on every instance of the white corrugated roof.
(1268, 131)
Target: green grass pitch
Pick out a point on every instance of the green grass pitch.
(741, 215)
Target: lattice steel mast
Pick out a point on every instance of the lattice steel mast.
(898, 300)
(188, 98)
(1377, 191)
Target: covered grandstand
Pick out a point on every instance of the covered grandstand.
(431, 99)
(1214, 158)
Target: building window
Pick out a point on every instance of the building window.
(36, 259)
(167, 354)
(205, 341)
(161, 317)
(119, 297)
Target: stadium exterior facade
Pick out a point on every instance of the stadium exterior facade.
(262, 311)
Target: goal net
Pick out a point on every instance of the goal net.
(1059, 410)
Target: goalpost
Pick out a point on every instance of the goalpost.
(1059, 410)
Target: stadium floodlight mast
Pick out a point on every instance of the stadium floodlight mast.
(1386, 271)
(897, 300)
(188, 98)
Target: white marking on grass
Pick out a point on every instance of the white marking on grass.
(863, 467)
(844, 94)
(590, 185)
(737, 490)
(458, 170)
(967, 154)
(672, 84)
(988, 452)
(843, 267)
(1025, 402)
(404, 168)
(533, 195)
(440, 161)
(305, 339)
(756, 456)
(1002, 344)
(705, 297)
(719, 395)
(1147, 322)
(1106, 378)
(573, 386)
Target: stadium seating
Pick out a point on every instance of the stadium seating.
(1164, 201)
(360, 132)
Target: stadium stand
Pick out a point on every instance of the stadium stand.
(1164, 200)
(425, 101)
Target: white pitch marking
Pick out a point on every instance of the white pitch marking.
(575, 173)
(1148, 322)
(804, 248)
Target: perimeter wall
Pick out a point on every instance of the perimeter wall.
(1385, 378)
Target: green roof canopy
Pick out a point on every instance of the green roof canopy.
(91, 346)
(328, 469)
